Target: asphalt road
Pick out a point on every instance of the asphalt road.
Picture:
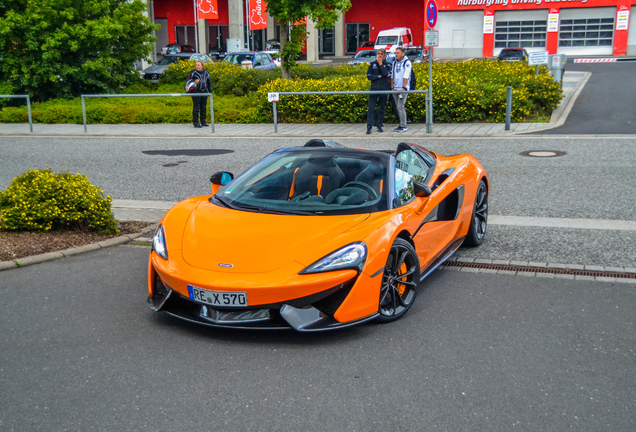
(81, 351)
(594, 180)
(606, 104)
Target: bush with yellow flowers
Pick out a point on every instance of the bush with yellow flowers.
(41, 200)
(472, 91)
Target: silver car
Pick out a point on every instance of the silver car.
(153, 73)
(366, 56)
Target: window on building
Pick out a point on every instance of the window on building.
(357, 33)
(586, 32)
(218, 37)
(526, 34)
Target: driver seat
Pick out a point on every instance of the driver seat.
(319, 176)
(372, 175)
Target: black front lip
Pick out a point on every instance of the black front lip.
(300, 314)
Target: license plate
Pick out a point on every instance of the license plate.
(217, 298)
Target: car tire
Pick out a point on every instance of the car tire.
(400, 280)
(479, 220)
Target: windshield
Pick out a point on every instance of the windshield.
(387, 40)
(238, 58)
(367, 54)
(511, 53)
(168, 59)
(316, 181)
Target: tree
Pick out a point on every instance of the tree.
(62, 48)
(292, 13)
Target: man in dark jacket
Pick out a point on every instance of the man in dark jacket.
(202, 78)
(379, 75)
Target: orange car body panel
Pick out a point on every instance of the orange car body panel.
(268, 251)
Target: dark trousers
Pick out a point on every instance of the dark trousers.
(379, 101)
(199, 108)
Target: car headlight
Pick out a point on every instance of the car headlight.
(159, 243)
(352, 256)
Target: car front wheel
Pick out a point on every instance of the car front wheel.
(399, 282)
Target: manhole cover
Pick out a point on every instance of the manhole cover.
(543, 153)
(187, 152)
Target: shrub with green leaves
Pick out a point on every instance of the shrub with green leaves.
(41, 200)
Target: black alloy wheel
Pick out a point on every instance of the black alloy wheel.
(479, 221)
(399, 282)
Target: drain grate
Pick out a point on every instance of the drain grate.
(542, 270)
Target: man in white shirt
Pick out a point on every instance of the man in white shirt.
(400, 81)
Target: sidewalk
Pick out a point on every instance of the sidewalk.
(572, 83)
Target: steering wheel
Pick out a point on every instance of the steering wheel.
(302, 196)
(372, 193)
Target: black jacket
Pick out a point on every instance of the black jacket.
(204, 86)
(380, 75)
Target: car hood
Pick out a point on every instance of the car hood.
(216, 238)
(155, 69)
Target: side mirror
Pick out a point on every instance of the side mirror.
(220, 178)
(421, 190)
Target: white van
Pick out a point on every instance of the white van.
(392, 38)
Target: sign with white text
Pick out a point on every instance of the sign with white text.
(538, 58)
(622, 20)
(258, 16)
(489, 22)
(431, 38)
(553, 22)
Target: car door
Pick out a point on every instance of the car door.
(435, 225)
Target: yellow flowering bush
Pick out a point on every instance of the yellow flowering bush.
(41, 200)
(462, 92)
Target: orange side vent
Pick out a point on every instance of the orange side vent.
(319, 185)
(381, 184)
(291, 190)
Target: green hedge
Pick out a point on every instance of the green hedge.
(462, 92)
(227, 109)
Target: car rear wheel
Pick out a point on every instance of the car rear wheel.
(399, 282)
(479, 222)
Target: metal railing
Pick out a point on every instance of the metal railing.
(368, 92)
(28, 99)
(148, 95)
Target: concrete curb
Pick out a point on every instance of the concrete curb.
(561, 113)
(50, 256)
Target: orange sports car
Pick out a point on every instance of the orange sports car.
(317, 237)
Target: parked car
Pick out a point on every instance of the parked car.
(366, 56)
(316, 238)
(272, 45)
(366, 46)
(218, 53)
(274, 54)
(256, 60)
(177, 49)
(416, 54)
(513, 54)
(153, 73)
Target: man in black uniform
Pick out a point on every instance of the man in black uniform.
(379, 75)
(202, 78)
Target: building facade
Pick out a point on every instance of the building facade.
(467, 28)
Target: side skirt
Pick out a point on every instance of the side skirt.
(442, 257)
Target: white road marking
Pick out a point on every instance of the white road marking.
(595, 224)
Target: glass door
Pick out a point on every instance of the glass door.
(186, 35)
(357, 33)
(326, 41)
